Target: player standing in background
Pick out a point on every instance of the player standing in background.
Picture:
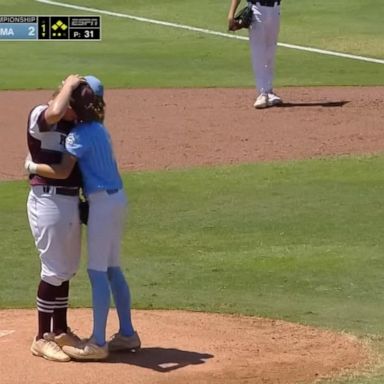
(263, 35)
(54, 220)
(89, 145)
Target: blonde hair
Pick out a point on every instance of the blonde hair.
(98, 108)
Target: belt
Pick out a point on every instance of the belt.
(59, 190)
(112, 191)
(266, 3)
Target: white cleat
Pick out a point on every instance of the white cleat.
(66, 338)
(261, 101)
(89, 352)
(49, 350)
(273, 99)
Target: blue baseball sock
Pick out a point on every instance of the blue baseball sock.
(101, 302)
(122, 298)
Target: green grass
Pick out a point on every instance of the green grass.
(342, 25)
(136, 54)
(265, 240)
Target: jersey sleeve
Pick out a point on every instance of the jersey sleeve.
(75, 144)
(37, 123)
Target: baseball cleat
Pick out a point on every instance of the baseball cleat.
(273, 99)
(89, 352)
(49, 350)
(66, 338)
(118, 342)
(261, 101)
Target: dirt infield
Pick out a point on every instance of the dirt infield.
(180, 347)
(162, 129)
(159, 129)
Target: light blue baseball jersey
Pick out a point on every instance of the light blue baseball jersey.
(90, 143)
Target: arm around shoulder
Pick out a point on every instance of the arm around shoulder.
(53, 171)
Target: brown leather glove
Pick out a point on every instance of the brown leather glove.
(242, 19)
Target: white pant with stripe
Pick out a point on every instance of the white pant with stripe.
(55, 225)
(263, 35)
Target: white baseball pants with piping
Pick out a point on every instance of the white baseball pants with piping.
(263, 35)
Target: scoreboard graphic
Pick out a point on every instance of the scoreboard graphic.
(60, 28)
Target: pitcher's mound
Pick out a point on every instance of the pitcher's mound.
(186, 347)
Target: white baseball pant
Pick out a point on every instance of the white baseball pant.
(55, 225)
(263, 35)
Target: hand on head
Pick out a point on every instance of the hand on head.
(72, 81)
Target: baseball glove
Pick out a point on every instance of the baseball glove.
(243, 18)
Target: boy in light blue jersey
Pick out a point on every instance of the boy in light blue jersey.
(89, 144)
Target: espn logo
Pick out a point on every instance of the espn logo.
(85, 22)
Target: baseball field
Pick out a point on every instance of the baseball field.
(254, 246)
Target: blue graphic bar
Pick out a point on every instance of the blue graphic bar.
(18, 31)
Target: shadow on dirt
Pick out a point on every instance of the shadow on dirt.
(160, 359)
(326, 104)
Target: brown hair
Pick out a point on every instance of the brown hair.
(87, 105)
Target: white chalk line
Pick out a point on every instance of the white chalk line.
(5, 332)
(208, 31)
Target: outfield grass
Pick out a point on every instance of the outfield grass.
(137, 54)
(343, 25)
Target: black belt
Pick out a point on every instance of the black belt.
(266, 3)
(61, 190)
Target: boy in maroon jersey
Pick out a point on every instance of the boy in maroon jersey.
(54, 220)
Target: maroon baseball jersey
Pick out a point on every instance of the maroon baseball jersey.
(46, 144)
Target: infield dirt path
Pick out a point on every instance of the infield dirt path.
(163, 129)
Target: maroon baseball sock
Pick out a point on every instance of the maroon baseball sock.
(45, 303)
(60, 312)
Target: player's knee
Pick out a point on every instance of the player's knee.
(55, 279)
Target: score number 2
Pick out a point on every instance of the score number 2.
(32, 31)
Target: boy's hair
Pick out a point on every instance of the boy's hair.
(87, 105)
